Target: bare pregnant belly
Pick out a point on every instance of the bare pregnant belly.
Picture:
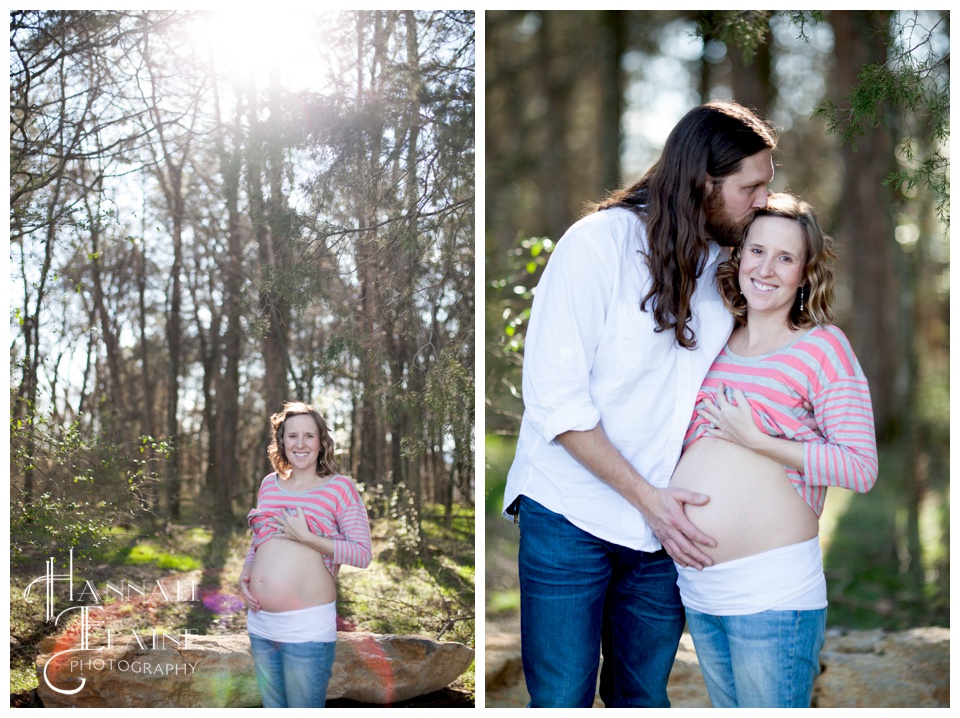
(287, 576)
(753, 507)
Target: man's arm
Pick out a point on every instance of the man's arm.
(662, 508)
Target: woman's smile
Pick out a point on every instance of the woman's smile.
(772, 265)
(301, 441)
(763, 287)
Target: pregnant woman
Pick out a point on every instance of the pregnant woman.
(758, 614)
(309, 520)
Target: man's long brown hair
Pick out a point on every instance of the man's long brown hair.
(713, 140)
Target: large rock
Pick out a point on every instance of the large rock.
(910, 669)
(217, 671)
(390, 669)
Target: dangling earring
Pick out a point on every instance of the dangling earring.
(801, 299)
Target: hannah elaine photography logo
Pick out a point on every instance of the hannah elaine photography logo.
(66, 595)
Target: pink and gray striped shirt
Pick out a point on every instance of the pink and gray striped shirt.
(334, 510)
(821, 368)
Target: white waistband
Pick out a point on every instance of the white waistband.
(789, 578)
(316, 624)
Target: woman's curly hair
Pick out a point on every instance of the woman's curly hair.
(817, 286)
(326, 463)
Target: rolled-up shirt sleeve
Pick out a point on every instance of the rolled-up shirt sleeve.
(568, 316)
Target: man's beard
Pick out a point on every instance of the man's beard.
(722, 228)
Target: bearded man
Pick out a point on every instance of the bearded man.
(625, 322)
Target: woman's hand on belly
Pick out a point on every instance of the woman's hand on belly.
(733, 421)
(248, 598)
(292, 526)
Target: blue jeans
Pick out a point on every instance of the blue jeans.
(292, 675)
(578, 593)
(762, 660)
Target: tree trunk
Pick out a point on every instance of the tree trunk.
(865, 225)
(111, 344)
(750, 81)
(228, 388)
(370, 454)
(271, 307)
(174, 344)
(553, 198)
(147, 418)
(25, 404)
(611, 106)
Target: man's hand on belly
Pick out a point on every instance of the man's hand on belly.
(661, 508)
(665, 515)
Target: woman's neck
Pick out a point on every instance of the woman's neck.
(761, 335)
(302, 477)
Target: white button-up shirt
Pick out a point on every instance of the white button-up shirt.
(592, 357)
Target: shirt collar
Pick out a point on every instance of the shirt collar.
(716, 253)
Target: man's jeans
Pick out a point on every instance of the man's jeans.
(761, 660)
(292, 675)
(578, 592)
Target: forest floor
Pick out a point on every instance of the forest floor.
(424, 587)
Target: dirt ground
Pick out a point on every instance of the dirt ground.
(504, 674)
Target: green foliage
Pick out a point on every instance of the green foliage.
(445, 407)
(910, 93)
(504, 602)
(433, 597)
(885, 569)
(508, 304)
(800, 18)
(526, 260)
(149, 553)
(397, 505)
(22, 678)
(77, 488)
(499, 453)
(747, 29)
